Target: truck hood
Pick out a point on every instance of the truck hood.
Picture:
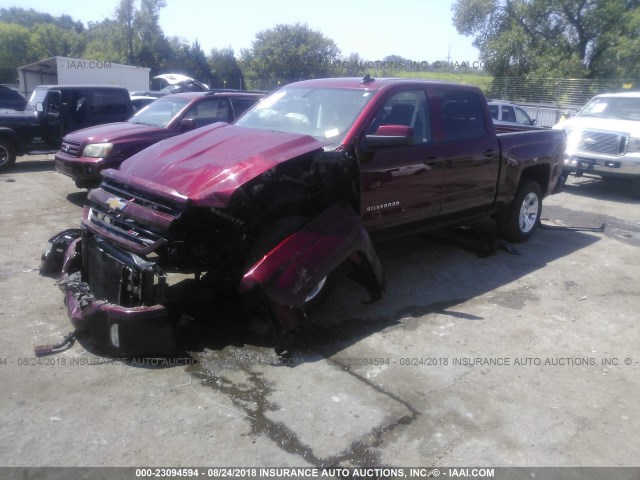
(113, 132)
(629, 127)
(208, 164)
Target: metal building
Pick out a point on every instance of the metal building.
(74, 71)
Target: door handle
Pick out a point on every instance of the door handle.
(489, 153)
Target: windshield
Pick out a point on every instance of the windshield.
(625, 108)
(160, 112)
(325, 113)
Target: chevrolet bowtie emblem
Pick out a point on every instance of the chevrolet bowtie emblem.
(116, 203)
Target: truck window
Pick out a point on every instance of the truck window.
(494, 111)
(462, 115)
(241, 105)
(522, 117)
(407, 108)
(209, 111)
(38, 95)
(107, 103)
(508, 115)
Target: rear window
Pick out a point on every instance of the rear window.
(462, 115)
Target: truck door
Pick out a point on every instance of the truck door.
(52, 127)
(400, 166)
(472, 151)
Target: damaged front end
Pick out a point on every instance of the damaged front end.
(115, 294)
(137, 237)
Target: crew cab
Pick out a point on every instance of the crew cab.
(55, 110)
(603, 138)
(269, 207)
(85, 153)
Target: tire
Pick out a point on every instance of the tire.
(7, 154)
(520, 222)
(271, 236)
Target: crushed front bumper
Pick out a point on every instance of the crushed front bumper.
(92, 286)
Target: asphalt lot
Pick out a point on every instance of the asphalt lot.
(476, 356)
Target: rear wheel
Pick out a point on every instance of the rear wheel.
(519, 223)
(7, 154)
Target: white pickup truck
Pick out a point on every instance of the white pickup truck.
(603, 138)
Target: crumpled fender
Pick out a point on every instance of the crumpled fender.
(288, 273)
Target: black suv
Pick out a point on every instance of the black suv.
(55, 110)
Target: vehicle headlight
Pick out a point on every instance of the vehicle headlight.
(97, 150)
(573, 139)
(634, 145)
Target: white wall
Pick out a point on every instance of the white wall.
(94, 72)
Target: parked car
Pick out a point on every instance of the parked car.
(55, 110)
(603, 138)
(508, 113)
(173, 83)
(269, 207)
(86, 153)
(11, 99)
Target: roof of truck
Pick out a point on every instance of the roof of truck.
(370, 83)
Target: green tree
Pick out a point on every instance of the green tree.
(225, 69)
(352, 66)
(133, 37)
(125, 16)
(288, 53)
(103, 42)
(14, 50)
(542, 38)
(27, 36)
(47, 40)
(30, 18)
(198, 65)
(154, 49)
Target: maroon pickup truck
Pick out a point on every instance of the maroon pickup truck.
(269, 207)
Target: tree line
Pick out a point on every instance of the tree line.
(582, 39)
(516, 38)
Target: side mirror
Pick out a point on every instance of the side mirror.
(187, 124)
(39, 107)
(534, 121)
(391, 136)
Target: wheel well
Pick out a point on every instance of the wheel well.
(540, 175)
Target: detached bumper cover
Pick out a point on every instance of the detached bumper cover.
(118, 330)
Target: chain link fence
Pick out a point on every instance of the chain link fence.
(549, 99)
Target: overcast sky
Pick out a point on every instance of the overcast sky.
(416, 29)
